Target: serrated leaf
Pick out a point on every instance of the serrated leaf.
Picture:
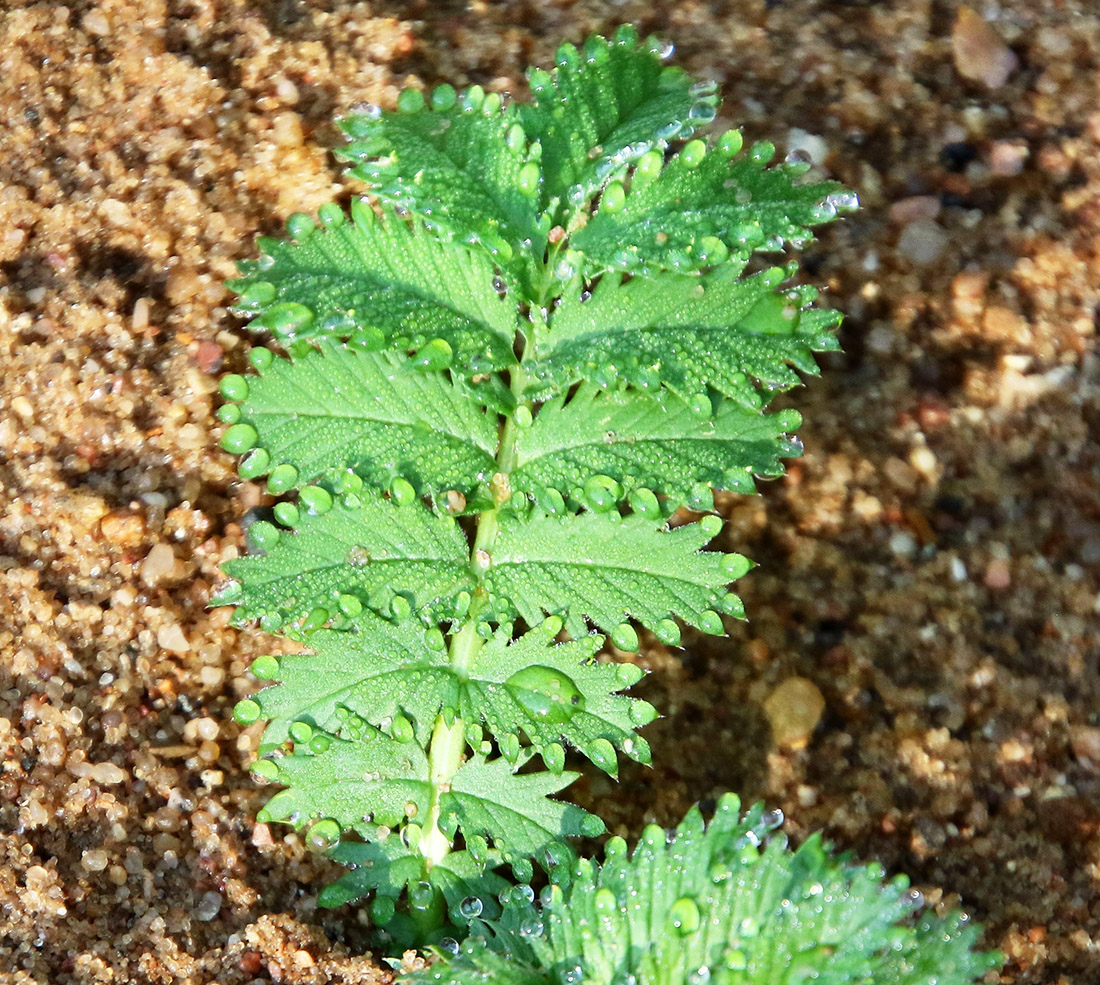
(381, 671)
(706, 904)
(604, 107)
(687, 333)
(458, 168)
(390, 868)
(368, 779)
(341, 408)
(488, 797)
(372, 551)
(599, 569)
(640, 441)
(373, 779)
(662, 222)
(380, 274)
(376, 670)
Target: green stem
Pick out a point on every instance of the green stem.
(445, 753)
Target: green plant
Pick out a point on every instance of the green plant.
(507, 390)
(724, 904)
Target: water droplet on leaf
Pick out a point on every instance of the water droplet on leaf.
(546, 693)
(239, 438)
(323, 835)
(684, 916)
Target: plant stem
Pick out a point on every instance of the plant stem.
(448, 741)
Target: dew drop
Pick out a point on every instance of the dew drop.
(254, 464)
(553, 756)
(246, 712)
(730, 143)
(772, 819)
(546, 693)
(843, 201)
(443, 97)
(668, 632)
(693, 153)
(572, 975)
(421, 896)
(684, 916)
(613, 199)
(323, 835)
(711, 251)
(711, 623)
(282, 479)
(700, 406)
(315, 499)
(641, 713)
(601, 493)
(516, 139)
(602, 753)
(239, 438)
(315, 620)
(271, 622)
(264, 770)
(531, 926)
(625, 637)
(700, 498)
(402, 492)
(410, 101)
(258, 294)
(265, 667)
(471, 907)
(358, 556)
(300, 226)
(669, 130)
(528, 179)
(300, 732)
(263, 536)
(761, 152)
(234, 387)
(702, 113)
(436, 355)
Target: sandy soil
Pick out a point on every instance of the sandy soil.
(930, 569)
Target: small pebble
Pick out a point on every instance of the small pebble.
(158, 564)
(1085, 742)
(998, 575)
(94, 860)
(1007, 158)
(107, 774)
(907, 210)
(171, 637)
(958, 570)
(95, 22)
(123, 529)
(286, 129)
(922, 242)
(208, 907)
(794, 708)
(980, 53)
